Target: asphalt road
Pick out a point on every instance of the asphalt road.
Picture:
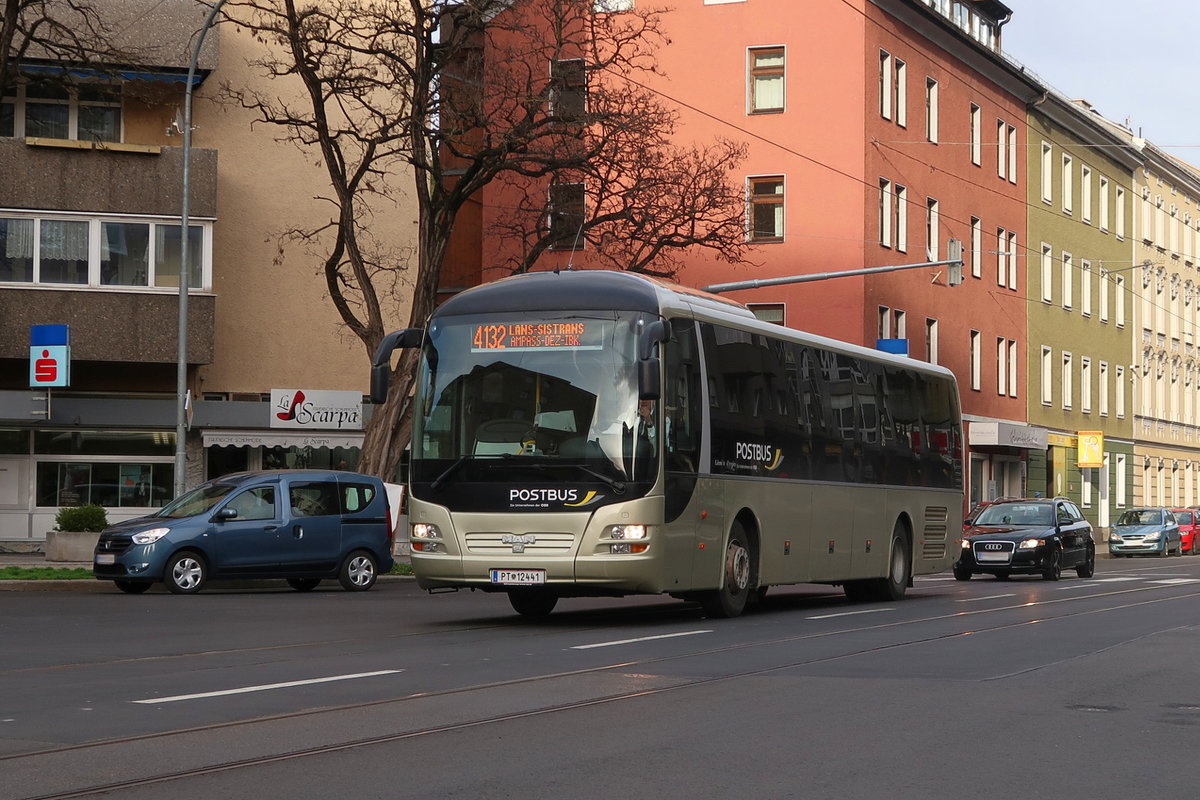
(985, 689)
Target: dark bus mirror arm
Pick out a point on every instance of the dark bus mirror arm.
(381, 365)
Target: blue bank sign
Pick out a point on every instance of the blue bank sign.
(49, 355)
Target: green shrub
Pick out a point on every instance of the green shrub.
(81, 518)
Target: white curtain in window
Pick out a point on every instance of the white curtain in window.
(18, 240)
(64, 241)
(768, 89)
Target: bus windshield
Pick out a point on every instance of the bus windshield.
(532, 399)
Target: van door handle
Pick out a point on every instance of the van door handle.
(270, 528)
(298, 532)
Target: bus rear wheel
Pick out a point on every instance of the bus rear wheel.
(892, 587)
(532, 602)
(736, 577)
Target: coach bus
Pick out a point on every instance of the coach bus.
(584, 433)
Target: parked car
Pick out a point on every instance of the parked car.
(1034, 536)
(1145, 531)
(301, 525)
(1188, 522)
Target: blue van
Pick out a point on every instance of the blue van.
(302, 525)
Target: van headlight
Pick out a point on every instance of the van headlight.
(151, 536)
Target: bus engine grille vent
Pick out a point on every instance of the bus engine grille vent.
(933, 546)
(533, 542)
(936, 514)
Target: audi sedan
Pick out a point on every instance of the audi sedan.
(1037, 536)
(1145, 531)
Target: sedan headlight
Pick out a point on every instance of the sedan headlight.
(1030, 544)
(966, 544)
(151, 536)
(1153, 537)
(1115, 537)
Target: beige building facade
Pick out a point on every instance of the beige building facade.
(90, 205)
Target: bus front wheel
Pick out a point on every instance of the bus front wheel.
(736, 577)
(532, 602)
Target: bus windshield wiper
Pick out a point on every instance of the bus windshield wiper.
(616, 485)
(450, 470)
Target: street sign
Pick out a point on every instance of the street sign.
(49, 355)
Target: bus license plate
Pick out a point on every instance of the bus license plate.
(106, 558)
(518, 577)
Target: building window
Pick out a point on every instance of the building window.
(1085, 193)
(976, 247)
(885, 84)
(1120, 213)
(901, 218)
(976, 135)
(1103, 389)
(1067, 381)
(901, 94)
(1012, 260)
(931, 228)
(1047, 274)
(1002, 256)
(1047, 376)
(976, 356)
(89, 112)
(97, 252)
(1103, 295)
(1001, 148)
(568, 89)
(1068, 270)
(1001, 365)
(1085, 385)
(766, 80)
(768, 312)
(1120, 293)
(1068, 184)
(1121, 480)
(1105, 222)
(885, 212)
(766, 209)
(566, 216)
(931, 110)
(931, 340)
(1047, 173)
(607, 6)
(1012, 155)
(1085, 288)
(1012, 368)
(884, 328)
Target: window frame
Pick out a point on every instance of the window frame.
(756, 200)
(757, 73)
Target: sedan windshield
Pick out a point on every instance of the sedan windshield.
(1141, 516)
(1016, 514)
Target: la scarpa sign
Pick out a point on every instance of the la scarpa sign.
(314, 409)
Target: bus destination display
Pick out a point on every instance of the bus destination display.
(537, 336)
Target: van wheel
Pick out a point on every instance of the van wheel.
(186, 573)
(358, 572)
(303, 584)
(532, 602)
(132, 587)
(736, 577)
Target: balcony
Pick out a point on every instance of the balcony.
(135, 327)
(64, 175)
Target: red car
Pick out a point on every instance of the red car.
(1189, 521)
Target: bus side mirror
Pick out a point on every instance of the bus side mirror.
(649, 383)
(381, 365)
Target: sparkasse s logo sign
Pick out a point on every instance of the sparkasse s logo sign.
(314, 409)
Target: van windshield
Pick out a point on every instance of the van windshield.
(197, 501)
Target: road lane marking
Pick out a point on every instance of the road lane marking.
(851, 613)
(989, 597)
(639, 639)
(1173, 581)
(266, 687)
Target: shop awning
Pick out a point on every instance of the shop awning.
(281, 439)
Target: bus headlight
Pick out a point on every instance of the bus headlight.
(423, 530)
(628, 532)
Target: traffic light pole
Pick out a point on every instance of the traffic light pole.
(955, 262)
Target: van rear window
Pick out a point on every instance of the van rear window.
(356, 497)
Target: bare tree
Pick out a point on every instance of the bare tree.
(67, 32)
(470, 93)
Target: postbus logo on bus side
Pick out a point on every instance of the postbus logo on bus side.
(766, 455)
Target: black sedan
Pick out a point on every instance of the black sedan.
(1028, 537)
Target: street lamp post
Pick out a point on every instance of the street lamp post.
(181, 399)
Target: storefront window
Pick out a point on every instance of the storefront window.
(112, 485)
(104, 443)
(14, 441)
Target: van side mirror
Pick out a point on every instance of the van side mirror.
(381, 364)
(226, 514)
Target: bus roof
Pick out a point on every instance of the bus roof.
(592, 289)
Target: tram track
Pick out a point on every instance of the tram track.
(638, 665)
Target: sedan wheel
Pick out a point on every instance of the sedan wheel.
(1053, 570)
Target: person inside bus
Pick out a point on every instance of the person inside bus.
(647, 430)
